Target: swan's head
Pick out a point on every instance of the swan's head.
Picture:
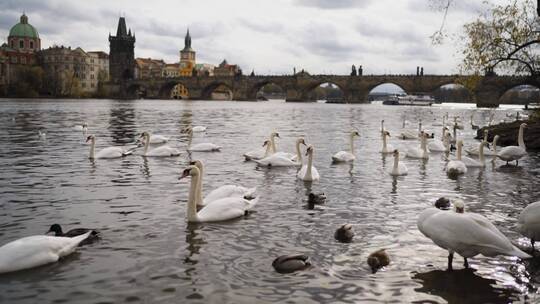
(459, 143)
(523, 125)
(198, 163)
(300, 141)
(396, 153)
(309, 150)
(57, 229)
(192, 171)
(495, 138)
(355, 133)
(386, 133)
(85, 125)
(90, 138)
(266, 143)
(459, 206)
(274, 134)
(144, 135)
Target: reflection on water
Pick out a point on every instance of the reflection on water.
(148, 253)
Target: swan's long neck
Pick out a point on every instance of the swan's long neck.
(446, 142)
(485, 137)
(273, 143)
(309, 164)
(146, 143)
(481, 152)
(521, 142)
(93, 149)
(472, 119)
(383, 143)
(458, 152)
(444, 120)
(419, 126)
(382, 126)
(268, 150)
(200, 187)
(403, 125)
(396, 164)
(192, 204)
(352, 142)
(190, 138)
(298, 153)
(423, 145)
(455, 132)
(494, 144)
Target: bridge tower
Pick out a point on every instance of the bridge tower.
(122, 53)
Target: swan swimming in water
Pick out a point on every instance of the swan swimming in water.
(440, 146)
(109, 152)
(220, 210)
(480, 163)
(398, 169)
(199, 129)
(282, 159)
(487, 152)
(511, 153)
(529, 222)
(308, 172)
(386, 148)
(259, 153)
(202, 147)
(419, 152)
(467, 234)
(36, 250)
(347, 156)
(162, 151)
(456, 167)
(220, 192)
(294, 157)
(411, 134)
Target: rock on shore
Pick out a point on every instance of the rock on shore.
(508, 134)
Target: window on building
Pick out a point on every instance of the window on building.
(91, 76)
(32, 44)
(23, 60)
(12, 44)
(84, 85)
(21, 44)
(92, 85)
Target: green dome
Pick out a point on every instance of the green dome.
(23, 29)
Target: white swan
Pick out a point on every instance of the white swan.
(221, 192)
(480, 163)
(494, 145)
(109, 152)
(37, 250)
(162, 151)
(220, 210)
(199, 129)
(476, 151)
(419, 152)
(457, 124)
(457, 166)
(440, 146)
(277, 160)
(382, 128)
(399, 168)
(473, 126)
(83, 128)
(411, 134)
(511, 153)
(202, 147)
(259, 153)
(529, 222)
(346, 156)
(158, 139)
(467, 234)
(294, 157)
(386, 148)
(308, 172)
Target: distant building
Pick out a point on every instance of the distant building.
(187, 57)
(148, 68)
(23, 43)
(171, 70)
(122, 53)
(71, 71)
(204, 69)
(226, 69)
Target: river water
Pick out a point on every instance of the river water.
(150, 254)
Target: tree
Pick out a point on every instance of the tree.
(504, 38)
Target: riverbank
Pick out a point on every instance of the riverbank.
(508, 133)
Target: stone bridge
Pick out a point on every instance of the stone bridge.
(298, 87)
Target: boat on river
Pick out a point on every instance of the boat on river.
(410, 100)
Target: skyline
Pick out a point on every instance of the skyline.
(322, 37)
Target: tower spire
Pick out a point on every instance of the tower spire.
(187, 40)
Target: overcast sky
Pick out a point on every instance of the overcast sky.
(271, 37)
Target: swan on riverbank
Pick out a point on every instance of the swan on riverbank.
(511, 153)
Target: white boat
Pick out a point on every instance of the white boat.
(411, 100)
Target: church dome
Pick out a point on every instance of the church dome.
(24, 29)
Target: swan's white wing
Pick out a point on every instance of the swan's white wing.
(255, 154)
(198, 129)
(36, 250)
(158, 139)
(469, 162)
(286, 155)
(163, 151)
(314, 173)
(228, 191)
(110, 152)
(409, 134)
(204, 147)
(511, 153)
(224, 209)
(529, 221)
(343, 156)
(436, 146)
(276, 161)
(456, 167)
(414, 152)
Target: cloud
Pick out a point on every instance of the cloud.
(334, 4)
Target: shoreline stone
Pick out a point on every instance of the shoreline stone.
(508, 134)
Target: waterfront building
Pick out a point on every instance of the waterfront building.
(73, 71)
(187, 57)
(22, 44)
(226, 69)
(122, 53)
(204, 69)
(171, 70)
(148, 68)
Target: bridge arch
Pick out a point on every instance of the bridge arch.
(453, 92)
(309, 94)
(222, 87)
(136, 91)
(174, 90)
(520, 94)
(253, 92)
